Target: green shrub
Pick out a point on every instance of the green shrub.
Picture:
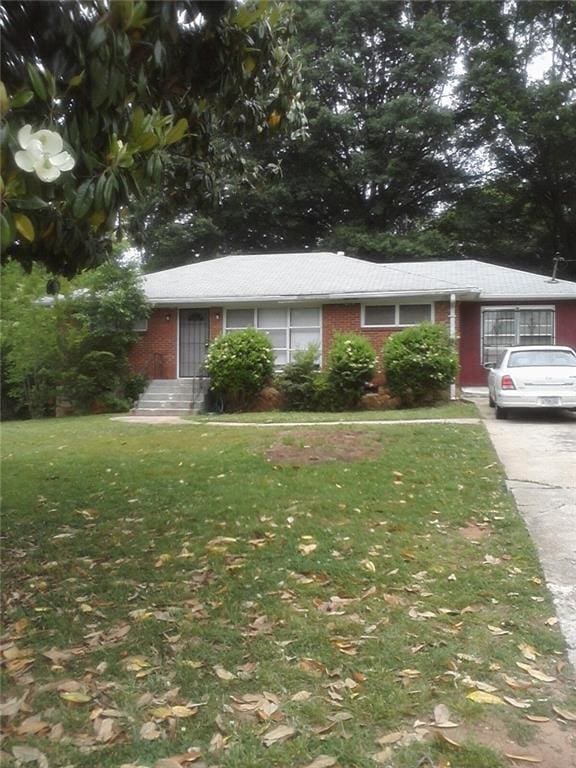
(297, 380)
(351, 364)
(419, 363)
(240, 364)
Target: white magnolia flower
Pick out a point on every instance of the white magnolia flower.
(42, 153)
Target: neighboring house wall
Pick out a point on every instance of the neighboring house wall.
(472, 371)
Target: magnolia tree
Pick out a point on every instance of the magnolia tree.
(100, 100)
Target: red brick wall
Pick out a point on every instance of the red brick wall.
(155, 352)
(346, 318)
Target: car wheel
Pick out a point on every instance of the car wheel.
(501, 413)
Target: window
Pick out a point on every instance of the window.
(141, 325)
(509, 326)
(381, 315)
(289, 329)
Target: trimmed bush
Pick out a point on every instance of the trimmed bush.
(351, 364)
(240, 364)
(297, 380)
(419, 363)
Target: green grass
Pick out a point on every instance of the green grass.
(456, 410)
(151, 555)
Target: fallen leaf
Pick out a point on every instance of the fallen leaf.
(383, 757)
(536, 673)
(516, 703)
(528, 651)
(278, 735)
(150, 731)
(30, 755)
(301, 696)
(565, 713)
(481, 697)
(448, 740)
(222, 673)
(523, 758)
(537, 718)
(390, 738)
(322, 761)
(104, 729)
(76, 697)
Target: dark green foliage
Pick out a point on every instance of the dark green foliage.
(240, 364)
(351, 365)
(140, 92)
(71, 352)
(297, 382)
(419, 363)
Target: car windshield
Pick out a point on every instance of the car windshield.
(541, 357)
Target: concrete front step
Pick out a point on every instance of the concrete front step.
(162, 412)
(173, 397)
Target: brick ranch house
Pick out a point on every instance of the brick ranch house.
(303, 298)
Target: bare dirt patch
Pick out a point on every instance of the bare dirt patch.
(553, 745)
(322, 446)
(474, 531)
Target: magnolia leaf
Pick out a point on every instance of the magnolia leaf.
(565, 714)
(76, 697)
(481, 697)
(537, 718)
(322, 761)
(528, 651)
(278, 735)
(150, 731)
(516, 703)
(390, 738)
(24, 226)
(222, 673)
(183, 712)
(382, 757)
(536, 673)
(523, 758)
(30, 755)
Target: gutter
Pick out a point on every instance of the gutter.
(470, 293)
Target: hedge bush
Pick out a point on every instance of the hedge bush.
(297, 382)
(239, 364)
(419, 363)
(351, 363)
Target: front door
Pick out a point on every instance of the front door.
(194, 339)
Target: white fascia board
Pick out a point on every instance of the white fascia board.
(310, 297)
(516, 297)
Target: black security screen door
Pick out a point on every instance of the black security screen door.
(194, 338)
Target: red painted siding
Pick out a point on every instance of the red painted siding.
(472, 372)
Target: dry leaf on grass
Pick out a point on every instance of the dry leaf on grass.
(536, 673)
(382, 757)
(150, 732)
(30, 755)
(75, 697)
(278, 735)
(528, 651)
(537, 718)
(516, 703)
(223, 674)
(390, 738)
(565, 714)
(322, 761)
(442, 717)
(481, 697)
(523, 758)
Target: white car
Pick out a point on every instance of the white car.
(533, 377)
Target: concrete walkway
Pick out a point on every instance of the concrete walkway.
(161, 420)
(538, 452)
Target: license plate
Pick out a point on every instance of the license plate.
(549, 400)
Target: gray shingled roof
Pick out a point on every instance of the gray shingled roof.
(333, 276)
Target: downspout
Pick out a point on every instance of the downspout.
(452, 321)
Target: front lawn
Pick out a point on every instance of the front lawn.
(290, 597)
(456, 410)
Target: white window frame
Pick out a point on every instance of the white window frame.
(140, 325)
(286, 328)
(516, 308)
(397, 305)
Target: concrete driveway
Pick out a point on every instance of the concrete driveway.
(538, 452)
